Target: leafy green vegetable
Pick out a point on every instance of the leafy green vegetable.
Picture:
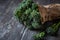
(35, 25)
(53, 29)
(34, 6)
(28, 14)
(39, 36)
(35, 19)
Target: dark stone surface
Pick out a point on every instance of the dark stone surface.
(10, 28)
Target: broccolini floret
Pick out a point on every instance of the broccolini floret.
(34, 6)
(39, 36)
(53, 29)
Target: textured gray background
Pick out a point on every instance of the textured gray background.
(10, 28)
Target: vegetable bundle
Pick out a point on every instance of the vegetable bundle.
(32, 16)
(28, 14)
(51, 30)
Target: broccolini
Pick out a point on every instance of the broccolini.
(28, 14)
(39, 36)
(53, 29)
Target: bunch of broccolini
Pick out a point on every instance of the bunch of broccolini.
(28, 14)
(52, 30)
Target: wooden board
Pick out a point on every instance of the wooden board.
(10, 28)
